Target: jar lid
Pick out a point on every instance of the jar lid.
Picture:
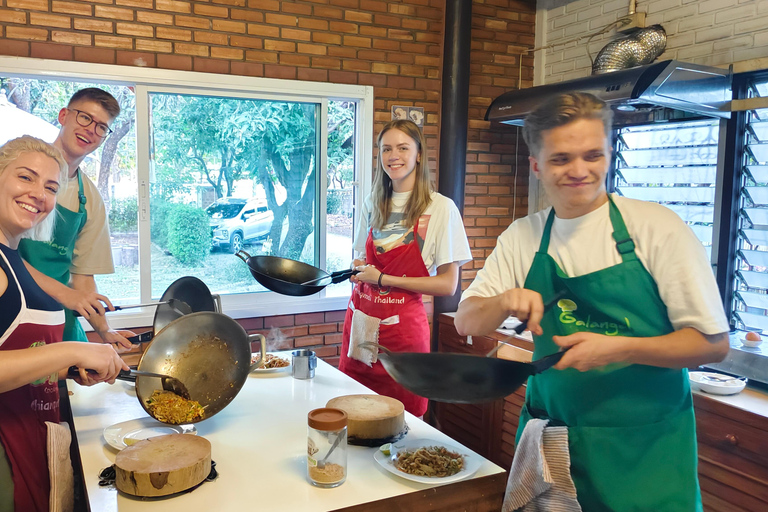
(327, 418)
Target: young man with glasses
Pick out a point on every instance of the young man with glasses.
(80, 246)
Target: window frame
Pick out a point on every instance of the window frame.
(146, 80)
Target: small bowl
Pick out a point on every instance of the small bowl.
(750, 343)
(716, 383)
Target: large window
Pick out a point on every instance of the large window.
(199, 168)
(714, 174)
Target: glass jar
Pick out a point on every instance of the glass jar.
(327, 447)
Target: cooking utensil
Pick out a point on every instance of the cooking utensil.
(291, 277)
(208, 351)
(188, 290)
(339, 437)
(180, 307)
(459, 378)
(168, 383)
(524, 324)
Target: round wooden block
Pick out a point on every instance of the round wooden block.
(371, 416)
(163, 465)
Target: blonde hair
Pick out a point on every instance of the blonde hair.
(381, 195)
(12, 150)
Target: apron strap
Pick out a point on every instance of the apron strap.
(80, 194)
(544, 245)
(624, 243)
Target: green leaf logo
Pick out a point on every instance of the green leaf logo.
(567, 305)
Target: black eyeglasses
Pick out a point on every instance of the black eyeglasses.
(85, 120)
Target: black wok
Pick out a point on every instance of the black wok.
(459, 378)
(291, 277)
(188, 289)
(209, 352)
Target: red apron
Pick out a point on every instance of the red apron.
(24, 410)
(409, 334)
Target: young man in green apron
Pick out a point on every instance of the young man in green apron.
(80, 246)
(640, 305)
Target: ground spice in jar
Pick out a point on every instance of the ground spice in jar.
(329, 474)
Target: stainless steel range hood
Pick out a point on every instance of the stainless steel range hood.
(661, 91)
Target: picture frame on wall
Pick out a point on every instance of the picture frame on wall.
(415, 114)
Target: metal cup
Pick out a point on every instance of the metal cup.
(303, 364)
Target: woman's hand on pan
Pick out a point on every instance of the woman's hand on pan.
(102, 359)
(368, 274)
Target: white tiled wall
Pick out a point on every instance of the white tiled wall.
(709, 32)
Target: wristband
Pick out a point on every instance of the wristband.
(380, 276)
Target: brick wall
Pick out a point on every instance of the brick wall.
(394, 46)
(709, 32)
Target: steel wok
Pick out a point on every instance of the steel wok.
(209, 352)
(459, 378)
(291, 277)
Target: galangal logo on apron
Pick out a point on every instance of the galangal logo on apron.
(570, 318)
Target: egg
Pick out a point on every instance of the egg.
(752, 336)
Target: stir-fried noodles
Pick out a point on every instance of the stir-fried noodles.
(169, 407)
(433, 461)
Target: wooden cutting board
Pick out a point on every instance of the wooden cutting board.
(163, 465)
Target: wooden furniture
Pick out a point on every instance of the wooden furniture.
(732, 431)
(259, 444)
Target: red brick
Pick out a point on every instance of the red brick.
(227, 53)
(47, 51)
(335, 316)
(323, 352)
(310, 318)
(113, 13)
(80, 9)
(333, 339)
(173, 33)
(280, 46)
(291, 59)
(135, 29)
(173, 6)
(358, 16)
(59, 36)
(312, 75)
(345, 52)
(28, 5)
(279, 321)
(191, 49)
(292, 33)
(360, 42)
(97, 55)
(356, 65)
(373, 5)
(322, 328)
(326, 62)
(246, 42)
(154, 18)
(313, 49)
(295, 8)
(263, 30)
(211, 11)
(328, 12)
(346, 28)
(203, 65)
(247, 15)
(123, 43)
(266, 5)
(308, 341)
(141, 4)
(45, 20)
(386, 20)
(236, 27)
(142, 59)
(281, 19)
(247, 68)
(313, 23)
(280, 71)
(333, 361)
(380, 67)
(153, 45)
(260, 56)
(211, 38)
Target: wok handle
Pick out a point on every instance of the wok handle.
(524, 324)
(343, 275)
(548, 361)
(141, 338)
(262, 349)
(127, 375)
(243, 255)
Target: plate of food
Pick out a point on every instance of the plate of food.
(124, 434)
(428, 461)
(274, 363)
(716, 383)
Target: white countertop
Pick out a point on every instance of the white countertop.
(259, 446)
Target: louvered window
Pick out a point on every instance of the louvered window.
(750, 305)
(672, 164)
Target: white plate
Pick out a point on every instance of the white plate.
(122, 435)
(274, 370)
(471, 462)
(700, 381)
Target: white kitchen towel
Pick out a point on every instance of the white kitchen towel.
(364, 328)
(62, 496)
(540, 477)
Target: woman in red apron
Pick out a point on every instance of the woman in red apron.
(31, 326)
(414, 244)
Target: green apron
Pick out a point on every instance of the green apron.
(54, 258)
(631, 429)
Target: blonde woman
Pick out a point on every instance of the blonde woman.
(31, 326)
(412, 242)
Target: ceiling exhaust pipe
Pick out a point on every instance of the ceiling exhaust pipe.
(637, 49)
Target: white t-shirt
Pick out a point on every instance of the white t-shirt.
(664, 244)
(93, 250)
(442, 238)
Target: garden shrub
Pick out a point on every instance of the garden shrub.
(334, 202)
(158, 221)
(189, 234)
(123, 215)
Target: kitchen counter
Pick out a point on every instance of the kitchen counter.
(259, 446)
